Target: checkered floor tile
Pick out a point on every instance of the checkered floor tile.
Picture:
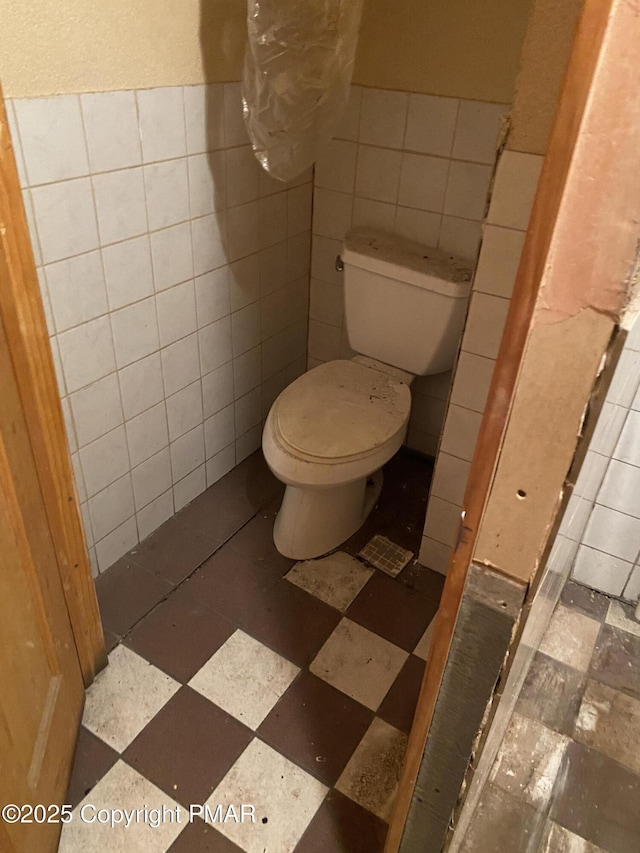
(273, 700)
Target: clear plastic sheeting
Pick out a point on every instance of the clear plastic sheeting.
(297, 72)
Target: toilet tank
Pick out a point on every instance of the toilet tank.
(405, 303)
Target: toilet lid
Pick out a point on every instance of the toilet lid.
(342, 408)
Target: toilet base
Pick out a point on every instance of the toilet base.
(312, 522)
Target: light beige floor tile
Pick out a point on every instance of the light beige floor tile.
(125, 697)
(359, 662)
(335, 579)
(619, 619)
(424, 643)
(280, 791)
(244, 678)
(570, 638)
(123, 788)
(560, 840)
(609, 721)
(528, 761)
(371, 777)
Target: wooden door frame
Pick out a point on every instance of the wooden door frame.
(22, 314)
(575, 290)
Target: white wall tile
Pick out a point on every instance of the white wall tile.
(632, 589)
(332, 213)
(419, 226)
(243, 176)
(244, 280)
(207, 182)
(104, 460)
(120, 204)
(187, 453)
(272, 271)
(97, 409)
(350, 124)
(248, 443)
(167, 190)
(147, 433)
(383, 117)
(215, 345)
(461, 237)
(608, 429)
(77, 290)
(172, 255)
(324, 341)
(336, 166)
(498, 261)
(247, 371)
(299, 207)
(152, 478)
(65, 218)
(614, 533)
(111, 127)
(204, 117)
(235, 131)
(86, 352)
(514, 189)
(176, 312)
(428, 413)
(601, 571)
(624, 384)
(220, 464)
(111, 507)
(141, 385)
(434, 555)
(245, 329)
(461, 432)
(477, 131)
(297, 300)
(297, 340)
(628, 446)
(31, 223)
(135, 331)
(162, 123)
(326, 303)
(273, 218)
(52, 138)
(274, 354)
(431, 124)
(117, 543)
(485, 322)
(150, 517)
(212, 296)
(323, 259)
(450, 478)
(128, 273)
(209, 238)
(217, 389)
(423, 182)
(14, 133)
(467, 189)
(273, 313)
(298, 256)
(244, 230)
(472, 381)
(189, 488)
(443, 521)
(373, 214)
(69, 425)
(219, 431)
(180, 364)
(591, 475)
(184, 410)
(248, 412)
(621, 487)
(378, 173)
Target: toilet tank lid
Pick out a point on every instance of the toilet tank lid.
(413, 263)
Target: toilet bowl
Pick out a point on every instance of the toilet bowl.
(329, 432)
(326, 437)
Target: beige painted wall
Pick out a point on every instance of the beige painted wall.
(459, 48)
(63, 46)
(545, 55)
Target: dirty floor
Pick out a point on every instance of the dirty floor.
(238, 678)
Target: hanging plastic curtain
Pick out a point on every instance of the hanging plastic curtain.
(297, 72)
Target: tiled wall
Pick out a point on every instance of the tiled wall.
(503, 237)
(608, 557)
(174, 273)
(416, 165)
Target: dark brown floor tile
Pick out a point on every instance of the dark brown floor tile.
(291, 622)
(342, 826)
(393, 611)
(111, 640)
(180, 634)
(551, 694)
(316, 726)
(255, 540)
(609, 721)
(586, 600)
(230, 583)
(127, 592)
(93, 758)
(199, 837)
(175, 550)
(503, 824)
(188, 747)
(616, 660)
(399, 705)
(598, 799)
(422, 579)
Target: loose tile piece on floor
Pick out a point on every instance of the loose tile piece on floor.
(285, 798)
(386, 555)
(371, 777)
(358, 662)
(125, 697)
(244, 678)
(336, 579)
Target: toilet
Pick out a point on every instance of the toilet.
(329, 433)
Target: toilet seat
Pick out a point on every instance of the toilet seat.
(336, 423)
